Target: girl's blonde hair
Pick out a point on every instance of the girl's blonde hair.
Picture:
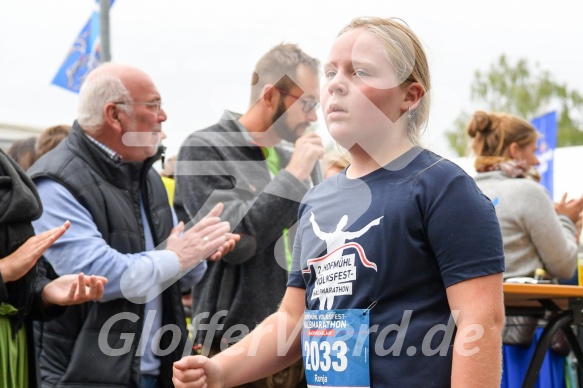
(405, 53)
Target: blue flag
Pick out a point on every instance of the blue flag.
(84, 55)
(547, 126)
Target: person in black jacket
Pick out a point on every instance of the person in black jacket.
(248, 162)
(25, 291)
(101, 178)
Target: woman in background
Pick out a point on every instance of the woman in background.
(536, 234)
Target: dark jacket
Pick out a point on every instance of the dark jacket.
(110, 190)
(19, 205)
(250, 281)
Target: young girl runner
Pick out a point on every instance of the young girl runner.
(398, 261)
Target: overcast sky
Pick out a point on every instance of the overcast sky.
(201, 53)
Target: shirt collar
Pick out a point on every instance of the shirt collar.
(108, 151)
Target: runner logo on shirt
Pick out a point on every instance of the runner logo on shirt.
(336, 271)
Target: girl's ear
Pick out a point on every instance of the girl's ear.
(413, 95)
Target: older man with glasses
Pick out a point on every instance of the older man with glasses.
(122, 227)
(249, 163)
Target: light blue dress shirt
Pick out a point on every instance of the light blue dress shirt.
(136, 277)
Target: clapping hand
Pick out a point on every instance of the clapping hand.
(228, 246)
(69, 290)
(207, 239)
(571, 208)
(19, 262)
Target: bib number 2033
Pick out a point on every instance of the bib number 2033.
(321, 356)
(335, 353)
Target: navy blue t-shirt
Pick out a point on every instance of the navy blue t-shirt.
(395, 240)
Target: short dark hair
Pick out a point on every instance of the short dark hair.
(279, 67)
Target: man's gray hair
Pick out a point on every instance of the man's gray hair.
(99, 88)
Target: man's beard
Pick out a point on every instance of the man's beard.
(279, 125)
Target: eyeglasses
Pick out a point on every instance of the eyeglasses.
(308, 104)
(154, 106)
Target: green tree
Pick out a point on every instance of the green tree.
(456, 136)
(526, 92)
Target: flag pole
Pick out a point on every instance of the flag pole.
(104, 24)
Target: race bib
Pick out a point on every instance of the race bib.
(335, 348)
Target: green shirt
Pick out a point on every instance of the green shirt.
(13, 352)
(273, 164)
